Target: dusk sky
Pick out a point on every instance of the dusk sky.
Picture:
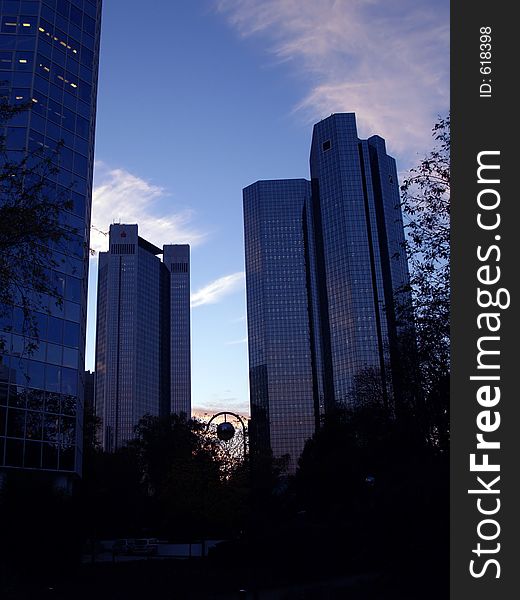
(201, 98)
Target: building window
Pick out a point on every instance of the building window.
(179, 267)
(122, 249)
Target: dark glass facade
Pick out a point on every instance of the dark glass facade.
(142, 336)
(49, 53)
(177, 261)
(340, 237)
(280, 355)
(361, 264)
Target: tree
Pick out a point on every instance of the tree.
(114, 500)
(162, 442)
(426, 208)
(31, 229)
(367, 389)
(182, 473)
(372, 491)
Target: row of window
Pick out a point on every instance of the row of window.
(17, 42)
(35, 455)
(61, 156)
(25, 7)
(179, 268)
(78, 62)
(123, 249)
(65, 46)
(17, 140)
(45, 351)
(61, 80)
(24, 25)
(55, 354)
(66, 35)
(51, 110)
(34, 374)
(31, 425)
(76, 16)
(16, 88)
(49, 328)
(38, 400)
(74, 166)
(64, 7)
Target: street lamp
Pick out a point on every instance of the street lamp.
(226, 430)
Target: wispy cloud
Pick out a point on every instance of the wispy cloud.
(386, 61)
(120, 196)
(213, 292)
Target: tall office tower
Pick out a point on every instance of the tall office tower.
(325, 268)
(142, 333)
(280, 351)
(177, 261)
(49, 53)
(361, 264)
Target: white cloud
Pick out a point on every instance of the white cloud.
(213, 292)
(120, 196)
(386, 61)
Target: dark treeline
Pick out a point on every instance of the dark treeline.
(168, 483)
(369, 496)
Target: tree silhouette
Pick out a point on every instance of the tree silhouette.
(426, 208)
(182, 471)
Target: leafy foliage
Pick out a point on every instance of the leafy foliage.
(170, 480)
(374, 489)
(426, 207)
(163, 442)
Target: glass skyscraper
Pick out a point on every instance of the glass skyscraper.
(49, 52)
(143, 333)
(177, 260)
(325, 267)
(279, 330)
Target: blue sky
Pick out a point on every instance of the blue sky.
(198, 99)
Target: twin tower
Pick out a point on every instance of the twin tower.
(327, 278)
(328, 302)
(142, 335)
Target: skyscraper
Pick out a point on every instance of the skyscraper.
(280, 350)
(325, 267)
(143, 333)
(177, 261)
(49, 51)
